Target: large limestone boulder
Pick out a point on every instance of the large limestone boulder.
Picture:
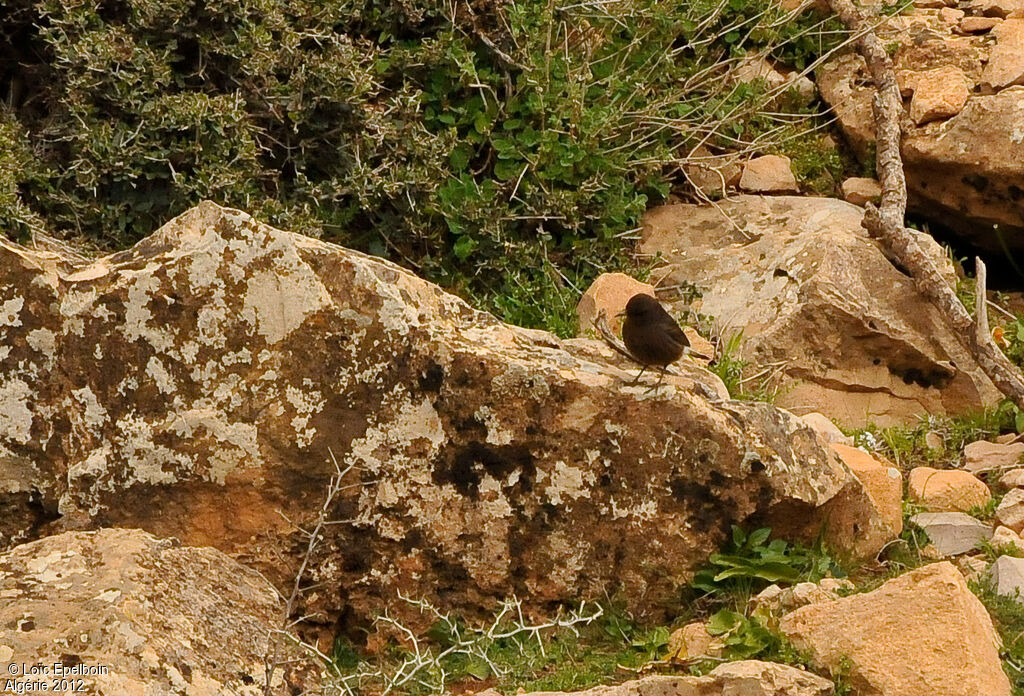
(136, 615)
(817, 301)
(208, 383)
(962, 143)
(921, 634)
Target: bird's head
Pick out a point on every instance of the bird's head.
(641, 306)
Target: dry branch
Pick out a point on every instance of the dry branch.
(885, 222)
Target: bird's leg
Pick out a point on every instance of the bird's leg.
(661, 378)
(637, 378)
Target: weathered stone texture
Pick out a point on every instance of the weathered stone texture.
(160, 618)
(201, 384)
(847, 334)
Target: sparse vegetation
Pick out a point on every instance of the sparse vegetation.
(734, 373)
(574, 650)
(906, 447)
(1008, 616)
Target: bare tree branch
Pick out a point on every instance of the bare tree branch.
(885, 222)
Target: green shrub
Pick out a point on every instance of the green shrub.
(481, 144)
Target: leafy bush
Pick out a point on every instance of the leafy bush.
(480, 143)
(751, 562)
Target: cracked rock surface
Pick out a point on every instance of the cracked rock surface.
(203, 384)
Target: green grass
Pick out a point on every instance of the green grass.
(733, 371)
(905, 445)
(1008, 617)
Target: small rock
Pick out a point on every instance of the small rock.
(996, 8)
(751, 69)
(934, 441)
(1006, 59)
(952, 533)
(884, 487)
(947, 490)
(1004, 538)
(784, 600)
(1014, 478)
(769, 174)
(826, 429)
(693, 640)
(699, 344)
(950, 15)
(939, 93)
(610, 292)
(756, 678)
(712, 175)
(1006, 438)
(901, 639)
(860, 190)
(1010, 512)
(743, 678)
(974, 568)
(988, 456)
(1007, 576)
(978, 25)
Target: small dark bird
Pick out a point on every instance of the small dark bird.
(651, 335)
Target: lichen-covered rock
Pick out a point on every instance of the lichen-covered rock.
(202, 384)
(136, 615)
(819, 305)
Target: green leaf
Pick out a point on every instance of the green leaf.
(464, 246)
(724, 621)
(759, 536)
(459, 158)
(478, 668)
(772, 572)
(508, 170)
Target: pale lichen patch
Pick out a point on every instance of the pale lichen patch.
(306, 403)
(566, 483)
(15, 415)
(42, 340)
(10, 310)
(145, 461)
(91, 412)
(160, 376)
(497, 434)
(276, 304)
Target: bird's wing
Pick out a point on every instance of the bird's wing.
(675, 333)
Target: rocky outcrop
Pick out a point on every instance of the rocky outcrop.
(202, 385)
(962, 132)
(819, 305)
(921, 634)
(127, 613)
